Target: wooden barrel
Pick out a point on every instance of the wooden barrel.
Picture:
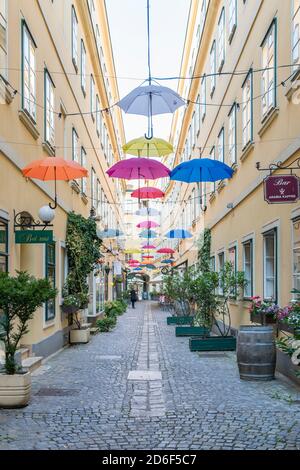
(256, 352)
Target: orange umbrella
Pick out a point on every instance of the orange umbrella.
(54, 168)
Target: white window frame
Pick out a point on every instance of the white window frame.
(221, 145)
(295, 274)
(49, 110)
(98, 116)
(213, 68)
(28, 73)
(266, 235)
(250, 269)
(268, 77)
(84, 165)
(232, 18)
(203, 99)
(83, 68)
(295, 34)
(221, 40)
(74, 37)
(92, 101)
(232, 151)
(220, 253)
(75, 145)
(247, 111)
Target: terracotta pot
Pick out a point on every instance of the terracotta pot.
(80, 336)
(15, 390)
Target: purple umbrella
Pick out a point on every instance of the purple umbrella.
(138, 168)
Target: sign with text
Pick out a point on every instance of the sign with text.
(34, 236)
(281, 189)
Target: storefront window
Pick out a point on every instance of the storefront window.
(221, 262)
(3, 246)
(270, 265)
(248, 268)
(50, 274)
(296, 254)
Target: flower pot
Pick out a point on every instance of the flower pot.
(80, 336)
(180, 320)
(213, 343)
(69, 309)
(191, 331)
(15, 390)
(269, 320)
(256, 353)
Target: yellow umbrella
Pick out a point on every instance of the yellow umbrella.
(143, 147)
(132, 251)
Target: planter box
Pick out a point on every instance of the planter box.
(285, 327)
(191, 331)
(213, 343)
(80, 336)
(180, 320)
(260, 319)
(15, 390)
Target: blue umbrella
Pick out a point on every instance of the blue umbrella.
(178, 233)
(138, 269)
(151, 99)
(201, 169)
(167, 261)
(109, 233)
(148, 234)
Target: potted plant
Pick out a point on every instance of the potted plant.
(289, 316)
(263, 311)
(20, 296)
(83, 250)
(176, 289)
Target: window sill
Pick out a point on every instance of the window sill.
(75, 64)
(84, 198)
(267, 121)
(247, 150)
(212, 197)
(221, 185)
(29, 124)
(49, 324)
(5, 94)
(75, 186)
(293, 86)
(231, 35)
(212, 92)
(234, 167)
(48, 148)
(221, 65)
(83, 91)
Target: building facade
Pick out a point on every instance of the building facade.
(57, 91)
(244, 57)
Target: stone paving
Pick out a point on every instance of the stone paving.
(139, 387)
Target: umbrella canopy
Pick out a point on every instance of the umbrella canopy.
(147, 211)
(179, 233)
(132, 251)
(143, 147)
(166, 250)
(150, 266)
(147, 193)
(148, 247)
(133, 261)
(148, 256)
(148, 234)
(138, 269)
(167, 261)
(109, 233)
(201, 169)
(153, 99)
(147, 224)
(138, 168)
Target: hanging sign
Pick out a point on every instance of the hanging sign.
(34, 236)
(281, 189)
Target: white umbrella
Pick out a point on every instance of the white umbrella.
(147, 211)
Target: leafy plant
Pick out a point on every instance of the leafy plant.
(83, 249)
(264, 308)
(20, 296)
(291, 346)
(106, 323)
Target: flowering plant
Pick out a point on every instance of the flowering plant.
(263, 307)
(290, 315)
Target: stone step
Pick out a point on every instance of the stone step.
(94, 330)
(24, 353)
(32, 363)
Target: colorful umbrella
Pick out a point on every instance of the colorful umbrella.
(147, 211)
(147, 193)
(166, 250)
(178, 233)
(147, 224)
(148, 234)
(148, 256)
(148, 247)
(54, 168)
(201, 169)
(132, 251)
(109, 233)
(150, 266)
(143, 147)
(154, 99)
(133, 261)
(138, 168)
(167, 261)
(138, 269)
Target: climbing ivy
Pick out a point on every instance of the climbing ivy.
(204, 247)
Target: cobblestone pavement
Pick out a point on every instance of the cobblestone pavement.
(139, 387)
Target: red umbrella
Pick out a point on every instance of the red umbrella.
(147, 193)
(147, 224)
(165, 250)
(148, 257)
(133, 261)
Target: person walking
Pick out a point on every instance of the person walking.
(133, 297)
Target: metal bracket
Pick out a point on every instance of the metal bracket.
(280, 166)
(24, 220)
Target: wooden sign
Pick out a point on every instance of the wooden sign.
(281, 189)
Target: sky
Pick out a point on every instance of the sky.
(128, 28)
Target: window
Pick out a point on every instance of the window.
(296, 254)
(212, 155)
(3, 245)
(93, 97)
(269, 63)
(28, 73)
(93, 187)
(221, 262)
(83, 163)
(247, 112)
(3, 38)
(98, 116)
(50, 275)
(83, 68)
(213, 263)
(221, 40)
(203, 99)
(98, 196)
(75, 146)
(248, 267)
(232, 20)
(270, 265)
(296, 33)
(232, 134)
(220, 148)
(49, 110)
(213, 68)
(197, 117)
(74, 38)
(232, 252)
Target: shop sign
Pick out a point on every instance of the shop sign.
(34, 236)
(281, 189)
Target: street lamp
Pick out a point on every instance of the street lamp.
(46, 214)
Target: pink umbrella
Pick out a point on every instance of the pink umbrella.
(165, 250)
(138, 168)
(148, 257)
(147, 193)
(148, 247)
(133, 261)
(147, 224)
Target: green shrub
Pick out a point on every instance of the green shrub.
(113, 308)
(106, 323)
